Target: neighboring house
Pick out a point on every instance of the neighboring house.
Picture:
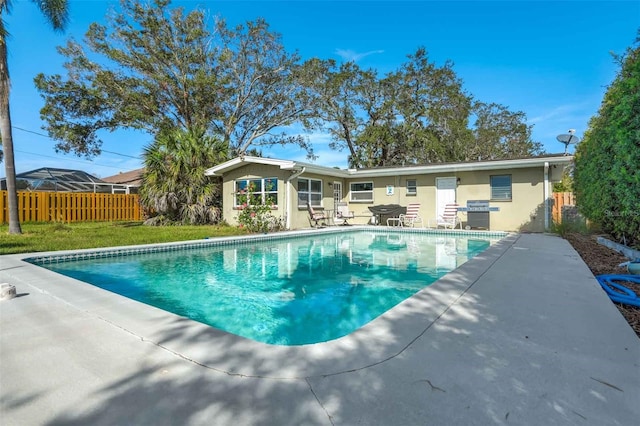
(129, 181)
(520, 189)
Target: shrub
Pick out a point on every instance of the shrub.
(256, 214)
(570, 226)
(174, 187)
(607, 177)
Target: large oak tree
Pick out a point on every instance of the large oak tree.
(418, 114)
(155, 68)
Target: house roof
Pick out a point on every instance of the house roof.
(294, 166)
(132, 177)
(538, 161)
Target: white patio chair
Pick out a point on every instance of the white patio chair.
(448, 219)
(411, 217)
(343, 214)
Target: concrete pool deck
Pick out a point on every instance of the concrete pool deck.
(521, 334)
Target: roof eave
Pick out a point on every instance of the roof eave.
(237, 162)
(463, 167)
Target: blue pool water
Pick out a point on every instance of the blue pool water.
(286, 291)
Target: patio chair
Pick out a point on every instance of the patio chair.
(448, 219)
(343, 214)
(316, 217)
(411, 217)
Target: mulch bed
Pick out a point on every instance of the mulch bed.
(603, 260)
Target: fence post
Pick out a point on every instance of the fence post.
(3, 207)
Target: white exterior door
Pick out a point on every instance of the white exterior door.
(337, 195)
(445, 193)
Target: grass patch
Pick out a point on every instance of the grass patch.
(39, 237)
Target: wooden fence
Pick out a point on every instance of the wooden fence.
(561, 199)
(72, 207)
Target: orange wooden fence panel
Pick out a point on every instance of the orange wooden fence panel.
(561, 199)
(72, 207)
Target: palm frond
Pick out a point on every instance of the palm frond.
(174, 184)
(56, 12)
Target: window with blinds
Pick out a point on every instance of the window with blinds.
(501, 188)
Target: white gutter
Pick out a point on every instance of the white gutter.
(287, 194)
(547, 213)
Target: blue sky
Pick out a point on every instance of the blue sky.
(551, 60)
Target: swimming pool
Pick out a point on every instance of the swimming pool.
(283, 291)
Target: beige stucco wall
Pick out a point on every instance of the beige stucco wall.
(425, 193)
(229, 212)
(525, 212)
(299, 216)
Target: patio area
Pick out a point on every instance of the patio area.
(521, 334)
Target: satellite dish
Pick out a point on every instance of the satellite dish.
(567, 139)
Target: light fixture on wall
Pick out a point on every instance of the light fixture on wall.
(458, 181)
(330, 183)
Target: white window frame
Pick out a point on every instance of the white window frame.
(263, 192)
(412, 190)
(309, 192)
(360, 200)
(499, 193)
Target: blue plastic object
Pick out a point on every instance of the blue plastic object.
(628, 296)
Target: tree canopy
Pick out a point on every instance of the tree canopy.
(155, 68)
(416, 115)
(607, 172)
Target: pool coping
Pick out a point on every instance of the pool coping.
(382, 339)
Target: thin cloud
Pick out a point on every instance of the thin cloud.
(551, 122)
(352, 56)
(319, 138)
(567, 111)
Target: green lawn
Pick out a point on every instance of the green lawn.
(58, 236)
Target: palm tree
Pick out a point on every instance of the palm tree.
(174, 186)
(56, 12)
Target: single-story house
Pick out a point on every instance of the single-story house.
(129, 181)
(518, 191)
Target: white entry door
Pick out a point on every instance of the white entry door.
(445, 193)
(337, 194)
